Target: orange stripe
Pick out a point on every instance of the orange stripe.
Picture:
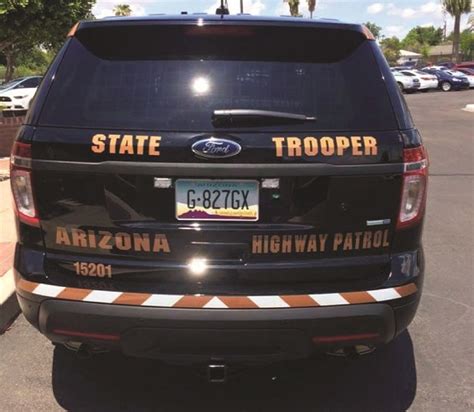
(132, 298)
(407, 290)
(357, 297)
(74, 294)
(192, 301)
(238, 302)
(301, 301)
(26, 285)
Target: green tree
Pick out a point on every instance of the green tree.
(376, 30)
(311, 7)
(418, 37)
(391, 49)
(457, 8)
(122, 10)
(7, 5)
(467, 44)
(26, 24)
(294, 7)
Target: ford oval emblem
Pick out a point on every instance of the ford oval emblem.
(215, 148)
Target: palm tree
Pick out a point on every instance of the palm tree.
(311, 7)
(122, 10)
(294, 7)
(457, 8)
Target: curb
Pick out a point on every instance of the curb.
(9, 308)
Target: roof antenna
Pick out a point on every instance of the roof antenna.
(224, 9)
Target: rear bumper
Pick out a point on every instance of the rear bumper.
(200, 335)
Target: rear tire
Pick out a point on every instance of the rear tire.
(401, 87)
(446, 87)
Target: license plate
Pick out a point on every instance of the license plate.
(225, 200)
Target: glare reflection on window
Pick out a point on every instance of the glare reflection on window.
(200, 85)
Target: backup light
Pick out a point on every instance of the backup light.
(21, 184)
(415, 181)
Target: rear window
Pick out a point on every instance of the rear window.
(173, 78)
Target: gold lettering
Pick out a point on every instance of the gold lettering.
(275, 244)
(98, 145)
(79, 238)
(386, 242)
(113, 143)
(62, 237)
(300, 242)
(286, 244)
(141, 144)
(342, 144)
(257, 244)
(338, 239)
(348, 242)
(377, 241)
(327, 146)
(312, 244)
(294, 147)
(161, 244)
(126, 144)
(322, 242)
(104, 242)
(91, 239)
(154, 145)
(265, 244)
(123, 241)
(278, 141)
(141, 242)
(310, 146)
(370, 146)
(358, 235)
(367, 241)
(356, 146)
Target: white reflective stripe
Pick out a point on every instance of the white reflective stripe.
(269, 301)
(329, 299)
(165, 301)
(215, 303)
(48, 290)
(102, 296)
(384, 294)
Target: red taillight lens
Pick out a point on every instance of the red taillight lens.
(21, 183)
(415, 179)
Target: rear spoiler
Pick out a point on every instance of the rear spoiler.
(203, 19)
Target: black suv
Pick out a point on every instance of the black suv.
(203, 187)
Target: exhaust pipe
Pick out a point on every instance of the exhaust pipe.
(83, 350)
(352, 352)
(217, 372)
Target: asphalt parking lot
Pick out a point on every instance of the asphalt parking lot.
(428, 368)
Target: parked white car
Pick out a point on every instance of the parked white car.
(17, 94)
(406, 83)
(427, 81)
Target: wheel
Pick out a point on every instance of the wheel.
(400, 86)
(446, 86)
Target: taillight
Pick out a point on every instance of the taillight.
(415, 179)
(21, 183)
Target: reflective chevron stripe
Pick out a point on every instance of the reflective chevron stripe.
(216, 302)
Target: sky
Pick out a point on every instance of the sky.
(396, 17)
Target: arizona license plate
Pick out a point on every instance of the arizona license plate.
(231, 200)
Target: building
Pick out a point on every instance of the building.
(407, 56)
(440, 53)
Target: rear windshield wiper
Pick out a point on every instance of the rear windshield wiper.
(251, 116)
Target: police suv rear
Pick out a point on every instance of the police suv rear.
(202, 188)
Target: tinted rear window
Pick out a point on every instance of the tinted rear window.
(174, 77)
